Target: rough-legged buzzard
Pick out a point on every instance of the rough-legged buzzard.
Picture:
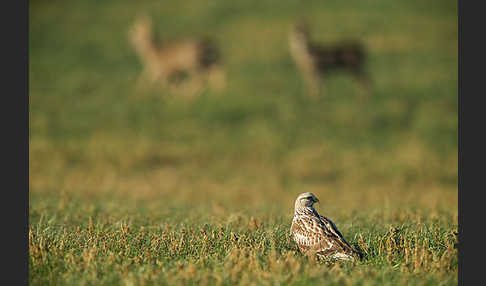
(316, 234)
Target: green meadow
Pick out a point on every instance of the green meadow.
(135, 186)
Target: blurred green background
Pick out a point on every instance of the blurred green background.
(252, 149)
(85, 113)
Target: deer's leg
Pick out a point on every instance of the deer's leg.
(216, 78)
(363, 82)
(144, 79)
(190, 85)
(312, 81)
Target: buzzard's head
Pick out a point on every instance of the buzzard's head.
(306, 200)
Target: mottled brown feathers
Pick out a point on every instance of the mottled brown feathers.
(315, 234)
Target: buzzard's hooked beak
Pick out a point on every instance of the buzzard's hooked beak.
(316, 200)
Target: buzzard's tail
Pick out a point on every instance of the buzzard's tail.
(351, 254)
(357, 253)
(342, 256)
(349, 250)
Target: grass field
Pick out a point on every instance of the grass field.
(142, 188)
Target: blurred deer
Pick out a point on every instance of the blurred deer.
(315, 62)
(179, 64)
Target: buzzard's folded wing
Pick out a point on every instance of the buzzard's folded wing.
(338, 237)
(309, 234)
